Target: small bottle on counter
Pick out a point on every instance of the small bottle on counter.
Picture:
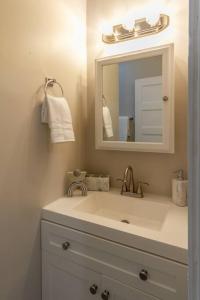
(179, 189)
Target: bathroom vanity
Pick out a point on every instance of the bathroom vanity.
(108, 246)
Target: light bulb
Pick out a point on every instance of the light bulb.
(153, 19)
(129, 24)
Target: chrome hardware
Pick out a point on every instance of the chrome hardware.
(75, 186)
(93, 289)
(141, 27)
(144, 275)
(105, 295)
(139, 191)
(165, 98)
(128, 186)
(125, 221)
(127, 181)
(49, 82)
(65, 245)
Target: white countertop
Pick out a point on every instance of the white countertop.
(170, 241)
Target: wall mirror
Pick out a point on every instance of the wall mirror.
(134, 106)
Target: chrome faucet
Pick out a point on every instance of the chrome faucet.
(127, 181)
(128, 185)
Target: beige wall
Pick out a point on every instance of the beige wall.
(38, 38)
(157, 169)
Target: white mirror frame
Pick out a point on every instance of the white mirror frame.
(167, 53)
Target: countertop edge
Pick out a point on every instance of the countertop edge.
(175, 253)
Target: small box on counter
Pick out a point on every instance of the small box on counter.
(97, 182)
(75, 176)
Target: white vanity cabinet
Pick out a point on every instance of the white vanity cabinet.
(64, 279)
(78, 265)
(119, 291)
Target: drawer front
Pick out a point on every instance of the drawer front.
(165, 279)
(118, 291)
(64, 279)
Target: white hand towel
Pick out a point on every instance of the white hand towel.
(123, 128)
(56, 112)
(107, 122)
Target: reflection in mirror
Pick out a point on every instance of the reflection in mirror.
(133, 101)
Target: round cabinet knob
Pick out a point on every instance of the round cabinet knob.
(144, 275)
(165, 98)
(93, 289)
(105, 295)
(65, 245)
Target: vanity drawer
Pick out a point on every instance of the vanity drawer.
(165, 279)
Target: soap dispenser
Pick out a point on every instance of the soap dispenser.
(179, 189)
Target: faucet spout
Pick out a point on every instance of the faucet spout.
(128, 185)
(128, 181)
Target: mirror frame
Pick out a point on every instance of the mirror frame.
(167, 146)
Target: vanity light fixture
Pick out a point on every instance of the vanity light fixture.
(141, 27)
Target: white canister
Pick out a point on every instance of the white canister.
(179, 189)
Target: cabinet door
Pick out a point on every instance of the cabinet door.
(66, 280)
(119, 291)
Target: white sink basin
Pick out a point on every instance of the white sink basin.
(156, 224)
(148, 212)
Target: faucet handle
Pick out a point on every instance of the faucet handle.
(124, 185)
(140, 188)
(120, 179)
(143, 183)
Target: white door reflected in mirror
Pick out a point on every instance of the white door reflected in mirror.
(131, 111)
(148, 110)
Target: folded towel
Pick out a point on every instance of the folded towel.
(123, 127)
(56, 113)
(107, 122)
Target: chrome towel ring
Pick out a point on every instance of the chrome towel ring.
(49, 82)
